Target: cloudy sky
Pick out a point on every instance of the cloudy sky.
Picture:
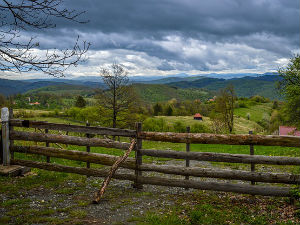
(164, 37)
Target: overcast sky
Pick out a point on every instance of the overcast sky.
(162, 37)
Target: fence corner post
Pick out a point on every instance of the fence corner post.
(252, 153)
(5, 136)
(138, 156)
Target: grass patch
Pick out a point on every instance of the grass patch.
(211, 208)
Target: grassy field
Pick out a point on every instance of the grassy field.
(241, 125)
(256, 112)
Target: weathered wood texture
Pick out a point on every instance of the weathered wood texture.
(215, 186)
(138, 157)
(11, 128)
(230, 139)
(74, 128)
(65, 139)
(112, 171)
(88, 148)
(103, 159)
(252, 167)
(187, 149)
(1, 146)
(47, 145)
(129, 163)
(223, 157)
(5, 136)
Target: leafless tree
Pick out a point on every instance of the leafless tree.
(225, 106)
(27, 15)
(118, 98)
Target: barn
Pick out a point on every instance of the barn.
(198, 116)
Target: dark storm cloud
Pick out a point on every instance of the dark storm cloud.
(217, 17)
(185, 34)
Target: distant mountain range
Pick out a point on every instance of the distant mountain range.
(264, 85)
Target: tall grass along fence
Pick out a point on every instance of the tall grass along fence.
(88, 138)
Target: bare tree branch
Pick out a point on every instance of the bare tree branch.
(18, 56)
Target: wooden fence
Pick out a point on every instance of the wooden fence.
(136, 164)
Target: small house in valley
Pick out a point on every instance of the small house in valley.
(291, 131)
(198, 116)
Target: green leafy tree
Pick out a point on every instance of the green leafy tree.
(80, 102)
(169, 111)
(289, 87)
(225, 106)
(157, 108)
(2, 100)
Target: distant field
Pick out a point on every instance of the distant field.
(257, 112)
(241, 125)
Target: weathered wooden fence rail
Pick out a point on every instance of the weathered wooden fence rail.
(129, 163)
(136, 164)
(227, 139)
(73, 128)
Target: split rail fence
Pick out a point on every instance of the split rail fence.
(9, 135)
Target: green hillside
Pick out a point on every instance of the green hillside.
(64, 89)
(244, 87)
(158, 92)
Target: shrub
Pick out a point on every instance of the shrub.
(154, 124)
(179, 127)
(199, 128)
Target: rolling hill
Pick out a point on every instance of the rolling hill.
(244, 87)
(152, 93)
(181, 88)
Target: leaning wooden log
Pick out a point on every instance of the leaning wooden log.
(65, 139)
(214, 186)
(129, 163)
(112, 171)
(223, 157)
(73, 128)
(231, 139)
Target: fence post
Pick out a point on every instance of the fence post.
(47, 145)
(252, 153)
(5, 136)
(11, 128)
(187, 148)
(88, 148)
(138, 156)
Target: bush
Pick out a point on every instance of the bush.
(242, 104)
(179, 127)
(153, 124)
(199, 128)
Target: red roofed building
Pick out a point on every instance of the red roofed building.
(34, 103)
(291, 131)
(197, 116)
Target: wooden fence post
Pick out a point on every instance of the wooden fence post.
(47, 145)
(1, 149)
(11, 128)
(138, 156)
(252, 153)
(88, 148)
(5, 136)
(187, 148)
